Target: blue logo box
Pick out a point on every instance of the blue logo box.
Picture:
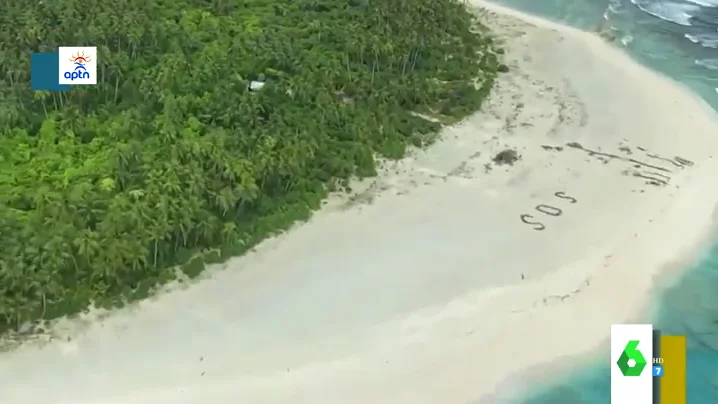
(657, 371)
(44, 68)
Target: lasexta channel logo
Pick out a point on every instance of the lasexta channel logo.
(631, 362)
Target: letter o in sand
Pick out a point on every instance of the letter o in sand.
(549, 210)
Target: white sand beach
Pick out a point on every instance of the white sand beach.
(427, 288)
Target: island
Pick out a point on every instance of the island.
(178, 157)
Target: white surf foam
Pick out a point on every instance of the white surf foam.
(705, 3)
(708, 63)
(705, 40)
(614, 7)
(676, 13)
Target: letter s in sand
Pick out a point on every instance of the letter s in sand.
(527, 219)
(562, 195)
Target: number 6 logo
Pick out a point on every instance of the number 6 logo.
(631, 362)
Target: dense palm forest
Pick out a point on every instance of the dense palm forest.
(172, 162)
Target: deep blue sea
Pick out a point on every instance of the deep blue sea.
(680, 39)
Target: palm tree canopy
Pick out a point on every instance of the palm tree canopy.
(171, 159)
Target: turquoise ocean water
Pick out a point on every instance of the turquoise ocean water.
(680, 39)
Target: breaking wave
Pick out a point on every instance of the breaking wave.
(706, 40)
(705, 3)
(677, 13)
(711, 64)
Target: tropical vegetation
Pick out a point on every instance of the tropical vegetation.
(172, 161)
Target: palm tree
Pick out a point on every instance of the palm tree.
(104, 188)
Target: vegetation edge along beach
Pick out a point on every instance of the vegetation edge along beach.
(172, 162)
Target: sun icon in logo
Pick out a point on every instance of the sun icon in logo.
(80, 59)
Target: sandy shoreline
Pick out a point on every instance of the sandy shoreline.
(436, 291)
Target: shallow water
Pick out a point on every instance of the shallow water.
(689, 307)
(676, 37)
(680, 39)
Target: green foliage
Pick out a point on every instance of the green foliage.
(170, 160)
